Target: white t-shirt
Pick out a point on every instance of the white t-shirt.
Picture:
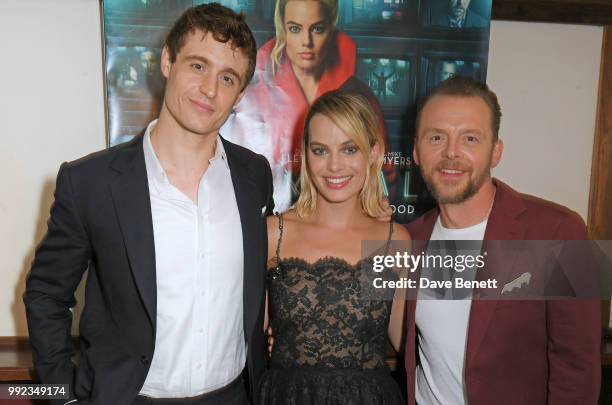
(442, 335)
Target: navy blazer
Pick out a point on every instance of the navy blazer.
(101, 221)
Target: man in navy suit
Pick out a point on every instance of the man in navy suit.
(171, 227)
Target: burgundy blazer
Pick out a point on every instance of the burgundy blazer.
(523, 352)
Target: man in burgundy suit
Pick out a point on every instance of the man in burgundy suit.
(491, 351)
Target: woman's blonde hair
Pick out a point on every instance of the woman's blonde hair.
(353, 114)
(330, 10)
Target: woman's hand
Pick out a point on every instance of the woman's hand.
(270, 340)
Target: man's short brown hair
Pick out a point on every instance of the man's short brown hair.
(460, 86)
(224, 24)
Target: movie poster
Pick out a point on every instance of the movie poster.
(391, 51)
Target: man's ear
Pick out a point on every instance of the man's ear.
(415, 154)
(166, 65)
(496, 155)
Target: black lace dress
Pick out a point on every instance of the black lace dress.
(329, 345)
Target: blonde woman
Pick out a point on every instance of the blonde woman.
(330, 339)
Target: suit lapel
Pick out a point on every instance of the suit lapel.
(244, 189)
(503, 225)
(420, 231)
(130, 193)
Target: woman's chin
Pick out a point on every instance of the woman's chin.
(338, 198)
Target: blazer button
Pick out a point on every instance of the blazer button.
(144, 360)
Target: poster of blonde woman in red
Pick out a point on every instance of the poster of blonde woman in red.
(308, 57)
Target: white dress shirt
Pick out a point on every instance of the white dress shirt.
(200, 343)
(442, 335)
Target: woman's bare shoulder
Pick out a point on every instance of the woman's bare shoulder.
(288, 219)
(272, 224)
(291, 216)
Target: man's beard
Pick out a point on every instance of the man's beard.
(461, 194)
